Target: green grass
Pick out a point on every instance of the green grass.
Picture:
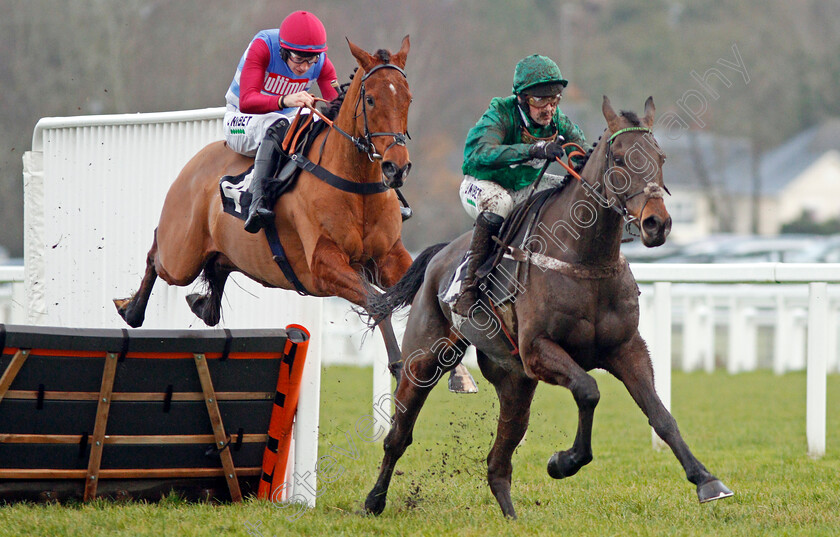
(748, 429)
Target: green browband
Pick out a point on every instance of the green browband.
(627, 130)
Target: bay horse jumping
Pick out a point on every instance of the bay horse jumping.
(331, 237)
(579, 310)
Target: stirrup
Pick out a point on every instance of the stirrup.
(257, 219)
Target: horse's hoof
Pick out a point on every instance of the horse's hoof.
(195, 301)
(122, 305)
(462, 382)
(561, 465)
(375, 503)
(199, 306)
(713, 490)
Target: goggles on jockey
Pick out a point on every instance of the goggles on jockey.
(298, 59)
(542, 102)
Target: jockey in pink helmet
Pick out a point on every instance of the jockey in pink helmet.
(272, 81)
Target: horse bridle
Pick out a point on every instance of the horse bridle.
(365, 143)
(651, 189)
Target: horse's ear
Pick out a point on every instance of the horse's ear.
(609, 114)
(365, 60)
(399, 58)
(649, 111)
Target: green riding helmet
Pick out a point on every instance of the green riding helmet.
(536, 70)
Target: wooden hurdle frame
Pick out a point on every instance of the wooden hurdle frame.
(156, 379)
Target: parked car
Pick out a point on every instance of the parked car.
(824, 251)
(727, 248)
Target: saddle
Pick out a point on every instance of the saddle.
(501, 276)
(297, 140)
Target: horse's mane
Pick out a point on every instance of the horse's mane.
(631, 117)
(335, 104)
(332, 112)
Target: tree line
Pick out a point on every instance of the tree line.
(78, 57)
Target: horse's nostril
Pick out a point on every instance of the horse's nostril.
(390, 169)
(651, 224)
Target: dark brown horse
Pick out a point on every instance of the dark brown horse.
(330, 236)
(577, 310)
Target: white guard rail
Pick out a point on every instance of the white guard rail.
(817, 276)
(12, 295)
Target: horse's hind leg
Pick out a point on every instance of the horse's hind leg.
(550, 363)
(632, 366)
(515, 391)
(421, 373)
(208, 307)
(430, 349)
(133, 310)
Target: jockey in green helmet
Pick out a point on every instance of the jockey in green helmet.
(505, 152)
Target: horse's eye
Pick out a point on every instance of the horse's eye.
(369, 101)
(619, 161)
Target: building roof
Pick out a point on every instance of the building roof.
(728, 159)
(786, 162)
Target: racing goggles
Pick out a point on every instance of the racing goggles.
(542, 102)
(297, 59)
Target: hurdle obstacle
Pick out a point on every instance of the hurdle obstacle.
(102, 412)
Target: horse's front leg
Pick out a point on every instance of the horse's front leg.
(547, 361)
(333, 275)
(631, 364)
(388, 269)
(133, 310)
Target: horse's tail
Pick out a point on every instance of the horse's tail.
(380, 305)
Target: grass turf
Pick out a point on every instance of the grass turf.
(748, 429)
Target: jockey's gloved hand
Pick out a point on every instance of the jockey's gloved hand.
(547, 150)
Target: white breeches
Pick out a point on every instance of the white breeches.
(245, 132)
(477, 195)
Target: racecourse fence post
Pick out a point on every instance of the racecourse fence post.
(735, 335)
(662, 350)
(781, 337)
(708, 333)
(816, 368)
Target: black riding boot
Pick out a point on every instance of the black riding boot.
(265, 168)
(486, 225)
